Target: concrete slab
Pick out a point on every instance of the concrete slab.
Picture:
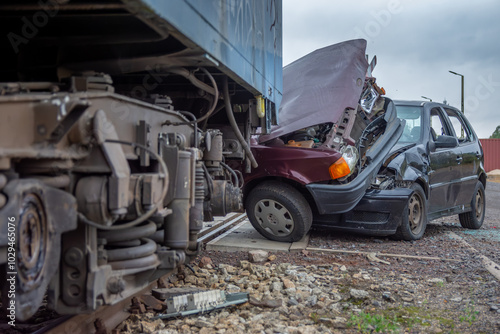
(300, 245)
(243, 237)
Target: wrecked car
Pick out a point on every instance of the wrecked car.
(439, 157)
(335, 129)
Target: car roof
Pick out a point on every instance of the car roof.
(421, 103)
(409, 103)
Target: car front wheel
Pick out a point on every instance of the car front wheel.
(279, 212)
(415, 218)
(474, 219)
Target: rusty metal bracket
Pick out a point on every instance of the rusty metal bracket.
(120, 179)
(142, 134)
(54, 118)
(341, 131)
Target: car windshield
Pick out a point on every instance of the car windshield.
(413, 127)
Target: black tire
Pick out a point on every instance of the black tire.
(279, 212)
(414, 222)
(474, 218)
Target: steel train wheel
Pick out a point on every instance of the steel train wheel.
(34, 261)
(32, 242)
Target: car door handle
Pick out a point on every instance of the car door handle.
(459, 160)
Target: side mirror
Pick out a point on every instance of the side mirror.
(446, 142)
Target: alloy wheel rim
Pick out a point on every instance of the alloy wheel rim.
(274, 218)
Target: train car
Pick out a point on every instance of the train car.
(117, 122)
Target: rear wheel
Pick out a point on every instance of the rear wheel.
(415, 220)
(474, 219)
(279, 212)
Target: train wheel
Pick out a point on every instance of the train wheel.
(32, 243)
(37, 215)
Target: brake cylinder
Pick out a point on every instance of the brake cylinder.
(177, 223)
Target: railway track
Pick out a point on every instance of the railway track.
(107, 318)
(219, 226)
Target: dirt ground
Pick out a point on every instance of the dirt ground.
(438, 284)
(447, 282)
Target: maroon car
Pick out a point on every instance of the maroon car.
(335, 129)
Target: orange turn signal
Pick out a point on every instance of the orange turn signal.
(339, 169)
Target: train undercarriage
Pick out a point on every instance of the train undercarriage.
(115, 129)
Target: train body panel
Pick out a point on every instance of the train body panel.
(242, 36)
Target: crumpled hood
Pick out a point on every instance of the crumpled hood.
(318, 87)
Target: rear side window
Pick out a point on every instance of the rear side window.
(462, 131)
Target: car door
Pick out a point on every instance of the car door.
(444, 165)
(470, 153)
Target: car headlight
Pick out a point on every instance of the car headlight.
(346, 164)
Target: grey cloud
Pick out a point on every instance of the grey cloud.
(416, 45)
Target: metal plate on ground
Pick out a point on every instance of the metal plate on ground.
(243, 237)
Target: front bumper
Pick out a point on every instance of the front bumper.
(379, 212)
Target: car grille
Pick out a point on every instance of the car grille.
(368, 217)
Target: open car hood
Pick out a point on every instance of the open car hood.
(318, 87)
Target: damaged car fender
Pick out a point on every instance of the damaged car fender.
(294, 163)
(410, 166)
(341, 198)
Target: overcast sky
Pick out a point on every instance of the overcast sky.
(416, 44)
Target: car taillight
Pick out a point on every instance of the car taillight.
(345, 165)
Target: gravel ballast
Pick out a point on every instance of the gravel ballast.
(438, 284)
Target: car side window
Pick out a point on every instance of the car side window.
(438, 127)
(413, 123)
(460, 128)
